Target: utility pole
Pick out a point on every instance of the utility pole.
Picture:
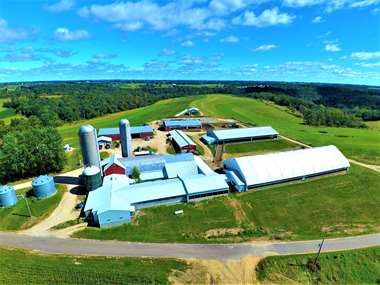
(319, 251)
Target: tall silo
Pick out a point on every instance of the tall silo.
(125, 138)
(89, 146)
(8, 196)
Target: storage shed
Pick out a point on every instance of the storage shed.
(182, 142)
(43, 186)
(240, 135)
(193, 124)
(266, 169)
(141, 132)
(203, 186)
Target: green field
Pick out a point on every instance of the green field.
(359, 144)
(159, 110)
(17, 217)
(22, 267)
(345, 267)
(332, 206)
(259, 147)
(7, 114)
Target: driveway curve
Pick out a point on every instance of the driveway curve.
(198, 251)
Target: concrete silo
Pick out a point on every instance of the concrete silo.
(89, 146)
(43, 186)
(8, 196)
(125, 138)
(92, 178)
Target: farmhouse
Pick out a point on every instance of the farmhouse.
(136, 132)
(182, 142)
(104, 142)
(261, 170)
(193, 124)
(239, 135)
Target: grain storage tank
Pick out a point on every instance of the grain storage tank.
(125, 138)
(89, 146)
(8, 196)
(43, 186)
(92, 178)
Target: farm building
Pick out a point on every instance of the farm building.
(182, 142)
(136, 132)
(239, 135)
(117, 200)
(188, 112)
(193, 124)
(261, 170)
(153, 167)
(104, 142)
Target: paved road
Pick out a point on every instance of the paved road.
(201, 251)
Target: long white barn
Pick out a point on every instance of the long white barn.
(260, 170)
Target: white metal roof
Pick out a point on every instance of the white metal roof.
(181, 138)
(269, 168)
(204, 183)
(181, 168)
(239, 133)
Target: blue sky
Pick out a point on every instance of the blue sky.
(291, 40)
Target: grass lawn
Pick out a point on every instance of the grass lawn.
(159, 110)
(7, 114)
(17, 217)
(337, 205)
(259, 147)
(200, 150)
(346, 267)
(22, 267)
(359, 144)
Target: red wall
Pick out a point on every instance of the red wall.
(189, 148)
(114, 169)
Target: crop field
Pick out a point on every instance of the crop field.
(259, 147)
(17, 217)
(330, 206)
(345, 267)
(159, 110)
(359, 144)
(22, 267)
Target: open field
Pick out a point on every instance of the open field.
(259, 147)
(359, 144)
(337, 205)
(7, 114)
(22, 267)
(17, 217)
(345, 267)
(159, 110)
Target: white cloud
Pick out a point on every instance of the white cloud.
(331, 47)
(364, 3)
(191, 60)
(365, 55)
(64, 34)
(61, 6)
(7, 34)
(365, 64)
(167, 52)
(265, 47)
(187, 43)
(226, 6)
(130, 27)
(317, 19)
(301, 3)
(230, 39)
(104, 56)
(269, 17)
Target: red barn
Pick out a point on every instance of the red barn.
(182, 142)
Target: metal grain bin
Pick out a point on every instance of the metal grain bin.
(43, 186)
(92, 178)
(8, 196)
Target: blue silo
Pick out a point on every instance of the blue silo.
(8, 196)
(43, 186)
